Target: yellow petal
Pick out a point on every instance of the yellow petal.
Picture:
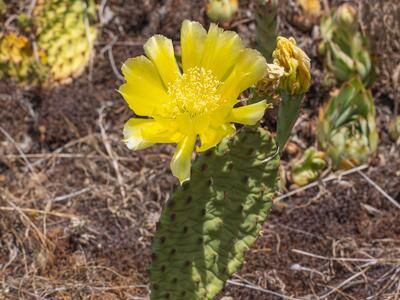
(249, 114)
(161, 52)
(211, 137)
(297, 77)
(249, 68)
(181, 162)
(143, 90)
(193, 36)
(143, 133)
(221, 50)
(133, 134)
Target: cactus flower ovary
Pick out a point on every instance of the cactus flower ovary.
(197, 100)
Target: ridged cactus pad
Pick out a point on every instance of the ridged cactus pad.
(64, 32)
(266, 15)
(64, 35)
(208, 224)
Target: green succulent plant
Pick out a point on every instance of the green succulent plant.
(394, 128)
(346, 126)
(308, 167)
(344, 46)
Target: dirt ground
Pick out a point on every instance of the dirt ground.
(78, 210)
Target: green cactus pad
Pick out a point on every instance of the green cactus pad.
(209, 223)
(289, 110)
(66, 34)
(266, 15)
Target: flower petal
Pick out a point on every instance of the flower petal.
(144, 90)
(211, 137)
(221, 50)
(161, 52)
(181, 162)
(143, 133)
(249, 68)
(248, 114)
(193, 36)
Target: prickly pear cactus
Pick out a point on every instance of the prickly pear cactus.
(17, 60)
(266, 14)
(346, 128)
(208, 224)
(65, 33)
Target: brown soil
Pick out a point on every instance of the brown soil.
(78, 210)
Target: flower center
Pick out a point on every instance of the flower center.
(194, 93)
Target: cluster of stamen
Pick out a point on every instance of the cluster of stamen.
(194, 93)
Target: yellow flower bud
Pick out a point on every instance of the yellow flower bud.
(221, 10)
(296, 63)
(346, 16)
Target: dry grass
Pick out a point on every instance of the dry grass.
(76, 221)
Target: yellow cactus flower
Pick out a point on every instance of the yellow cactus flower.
(197, 101)
(12, 47)
(297, 77)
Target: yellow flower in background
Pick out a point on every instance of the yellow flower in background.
(297, 77)
(12, 47)
(197, 101)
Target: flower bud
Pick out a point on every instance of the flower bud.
(346, 16)
(296, 78)
(221, 10)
